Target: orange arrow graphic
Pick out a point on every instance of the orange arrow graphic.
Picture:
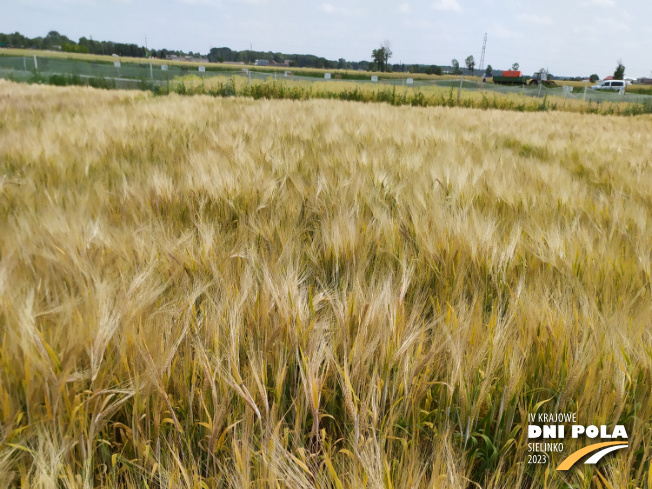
(575, 456)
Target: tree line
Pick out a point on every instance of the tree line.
(379, 57)
(224, 54)
(56, 41)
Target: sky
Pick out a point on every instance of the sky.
(568, 37)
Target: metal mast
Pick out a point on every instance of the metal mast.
(484, 48)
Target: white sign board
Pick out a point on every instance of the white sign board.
(116, 64)
(409, 81)
(164, 67)
(202, 69)
(327, 76)
(374, 78)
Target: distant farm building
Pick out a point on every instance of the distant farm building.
(266, 62)
(174, 57)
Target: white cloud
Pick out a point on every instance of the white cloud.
(534, 19)
(422, 24)
(327, 8)
(612, 24)
(447, 5)
(599, 3)
(404, 8)
(221, 3)
(499, 31)
(199, 2)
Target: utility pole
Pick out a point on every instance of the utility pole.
(459, 93)
(484, 48)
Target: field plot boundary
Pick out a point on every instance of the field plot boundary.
(195, 78)
(280, 295)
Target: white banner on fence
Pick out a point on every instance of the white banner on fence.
(164, 67)
(202, 69)
(374, 78)
(409, 81)
(327, 76)
(116, 64)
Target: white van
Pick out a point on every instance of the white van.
(610, 85)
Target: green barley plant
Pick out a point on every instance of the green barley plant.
(288, 292)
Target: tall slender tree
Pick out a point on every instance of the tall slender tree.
(456, 66)
(381, 55)
(619, 74)
(470, 64)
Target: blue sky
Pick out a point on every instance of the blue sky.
(568, 37)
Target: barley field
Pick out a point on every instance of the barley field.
(318, 72)
(201, 292)
(475, 96)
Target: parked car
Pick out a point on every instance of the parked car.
(610, 85)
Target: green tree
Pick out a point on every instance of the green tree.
(216, 55)
(619, 74)
(594, 78)
(470, 64)
(433, 70)
(69, 47)
(515, 66)
(378, 56)
(55, 39)
(387, 51)
(456, 66)
(381, 55)
(489, 71)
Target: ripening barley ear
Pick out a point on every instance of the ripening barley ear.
(261, 293)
